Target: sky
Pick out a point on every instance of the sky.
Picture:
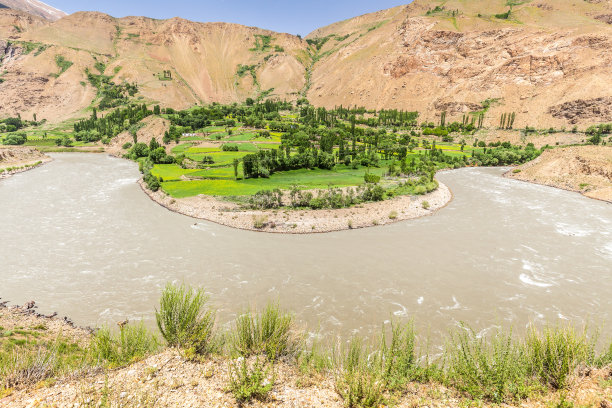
(288, 16)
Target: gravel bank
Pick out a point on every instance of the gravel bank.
(288, 221)
(20, 159)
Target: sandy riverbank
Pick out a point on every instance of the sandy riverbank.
(289, 221)
(583, 169)
(18, 159)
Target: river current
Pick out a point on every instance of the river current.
(79, 237)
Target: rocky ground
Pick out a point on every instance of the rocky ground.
(585, 169)
(168, 379)
(305, 221)
(17, 159)
(154, 128)
(518, 138)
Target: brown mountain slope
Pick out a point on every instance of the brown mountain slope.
(13, 22)
(585, 169)
(549, 61)
(203, 59)
(34, 7)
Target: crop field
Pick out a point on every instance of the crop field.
(304, 179)
(252, 150)
(218, 179)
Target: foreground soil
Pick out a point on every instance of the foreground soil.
(585, 169)
(20, 159)
(305, 221)
(169, 380)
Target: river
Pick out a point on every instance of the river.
(79, 237)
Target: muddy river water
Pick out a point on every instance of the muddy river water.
(79, 237)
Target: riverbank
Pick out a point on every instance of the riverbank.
(18, 159)
(171, 377)
(289, 221)
(583, 169)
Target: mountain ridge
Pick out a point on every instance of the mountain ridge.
(34, 7)
(545, 60)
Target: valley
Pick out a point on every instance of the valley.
(410, 207)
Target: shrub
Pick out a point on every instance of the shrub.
(260, 221)
(208, 160)
(65, 141)
(398, 360)
(132, 343)
(316, 203)
(229, 148)
(393, 215)
(126, 145)
(266, 199)
(371, 178)
(376, 193)
(139, 150)
(15, 139)
(269, 332)
(555, 353)
(153, 183)
(425, 205)
(516, 171)
(358, 382)
(247, 383)
(493, 369)
(314, 360)
(184, 319)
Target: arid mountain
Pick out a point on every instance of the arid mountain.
(204, 62)
(547, 61)
(34, 7)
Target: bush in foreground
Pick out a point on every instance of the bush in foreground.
(488, 368)
(250, 381)
(27, 363)
(132, 343)
(270, 332)
(184, 319)
(358, 380)
(554, 354)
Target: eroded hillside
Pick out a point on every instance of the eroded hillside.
(548, 61)
(175, 62)
(34, 7)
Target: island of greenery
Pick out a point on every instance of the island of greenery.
(276, 155)
(283, 166)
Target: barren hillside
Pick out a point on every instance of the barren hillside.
(585, 169)
(34, 7)
(548, 61)
(175, 62)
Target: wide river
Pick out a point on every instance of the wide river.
(79, 237)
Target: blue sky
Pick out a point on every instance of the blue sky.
(290, 16)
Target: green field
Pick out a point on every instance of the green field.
(303, 178)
